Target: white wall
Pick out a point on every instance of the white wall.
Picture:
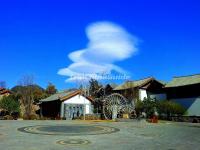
(192, 105)
(78, 99)
(142, 94)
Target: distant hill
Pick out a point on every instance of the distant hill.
(18, 88)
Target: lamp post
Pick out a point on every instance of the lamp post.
(84, 110)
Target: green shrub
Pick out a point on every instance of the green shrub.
(10, 103)
(164, 108)
(148, 106)
(169, 108)
(177, 109)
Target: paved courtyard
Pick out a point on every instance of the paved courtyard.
(74, 135)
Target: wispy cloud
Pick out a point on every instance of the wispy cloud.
(108, 44)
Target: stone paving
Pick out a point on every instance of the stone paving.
(75, 135)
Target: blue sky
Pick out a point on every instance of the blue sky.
(36, 37)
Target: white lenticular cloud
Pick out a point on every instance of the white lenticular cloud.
(108, 43)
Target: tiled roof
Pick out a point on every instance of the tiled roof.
(4, 91)
(57, 96)
(132, 84)
(62, 96)
(184, 80)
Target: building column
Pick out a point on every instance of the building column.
(62, 110)
(41, 114)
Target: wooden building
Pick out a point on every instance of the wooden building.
(4, 92)
(67, 105)
(140, 89)
(185, 90)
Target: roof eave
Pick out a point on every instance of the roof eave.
(180, 85)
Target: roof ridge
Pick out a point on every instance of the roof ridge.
(186, 75)
(184, 80)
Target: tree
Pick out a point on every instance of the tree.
(10, 103)
(149, 106)
(27, 97)
(51, 89)
(38, 92)
(94, 86)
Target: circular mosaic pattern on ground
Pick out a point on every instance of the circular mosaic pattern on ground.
(73, 142)
(72, 130)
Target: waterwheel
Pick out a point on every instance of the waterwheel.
(113, 105)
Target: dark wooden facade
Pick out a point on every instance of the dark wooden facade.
(50, 109)
(152, 86)
(186, 91)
